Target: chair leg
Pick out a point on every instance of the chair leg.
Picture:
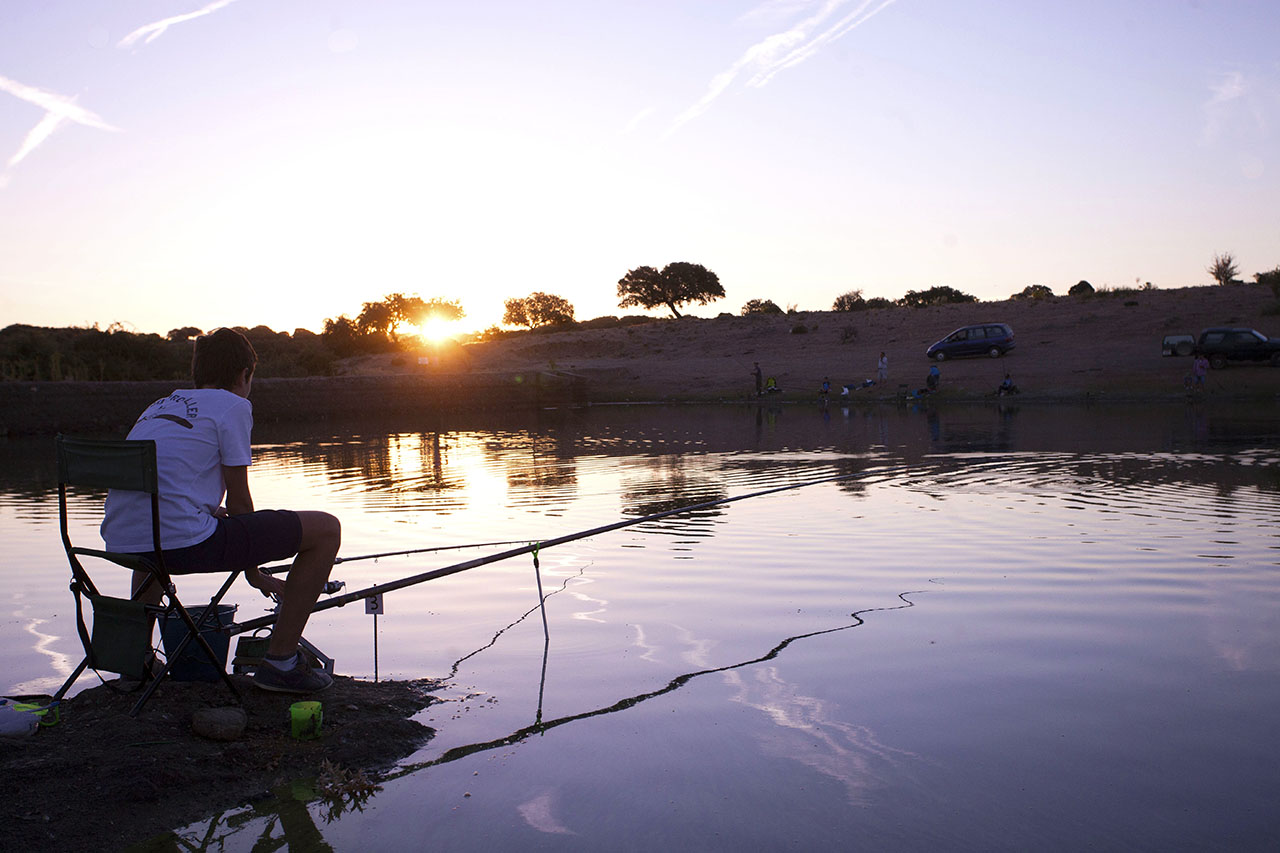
(209, 653)
(66, 685)
(146, 694)
(193, 633)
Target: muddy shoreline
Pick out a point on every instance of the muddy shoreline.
(102, 780)
(34, 408)
(419, 403)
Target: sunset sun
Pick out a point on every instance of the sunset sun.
(436, 329)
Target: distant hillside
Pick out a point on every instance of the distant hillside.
(1101, 344)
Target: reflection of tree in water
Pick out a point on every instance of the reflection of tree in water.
(856, 486)
(1119, 480)
(1224, 475)
(28, 471)
(670, 487)
(421, 464)
(558, 474)
(540, 462)
(540, 467)
(396, 462)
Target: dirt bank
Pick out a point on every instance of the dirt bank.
(1100, 347)
(111, 407)
(100, 779)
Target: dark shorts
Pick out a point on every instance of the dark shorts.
(241, 542)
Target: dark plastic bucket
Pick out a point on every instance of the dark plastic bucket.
(193, 664)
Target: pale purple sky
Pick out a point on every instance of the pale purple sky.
(277, 162)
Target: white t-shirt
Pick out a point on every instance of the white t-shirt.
(196, 432)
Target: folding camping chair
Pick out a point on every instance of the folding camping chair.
(122, 627)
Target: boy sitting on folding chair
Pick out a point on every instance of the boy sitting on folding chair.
(202, 453)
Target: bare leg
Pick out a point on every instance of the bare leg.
(321, 538)
(152, 595)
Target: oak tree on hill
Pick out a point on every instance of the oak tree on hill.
(760, 306)
(383, 319)
(1033, 291)
(376, 320)
(941, 295)
(850, 301)
(538, 309)
(677, 284)
(376, 327)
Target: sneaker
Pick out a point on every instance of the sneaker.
(301, 679)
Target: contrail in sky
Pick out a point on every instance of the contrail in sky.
(786, 49)
(839, 29)
(58, 109)
(1233, 100)
(153, 31)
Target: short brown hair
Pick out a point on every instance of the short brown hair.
(219, 357)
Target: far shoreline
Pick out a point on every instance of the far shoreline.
(1099, 349)
(46, 408)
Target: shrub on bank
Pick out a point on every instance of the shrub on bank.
(760, 306)
(42, 354)
(35, 354)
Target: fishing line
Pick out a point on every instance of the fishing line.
(413, 580)
(539, 727)
(453, 670)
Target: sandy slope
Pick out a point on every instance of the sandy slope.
(1105, 344)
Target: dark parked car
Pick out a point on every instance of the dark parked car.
(1221, 345)
(993, 339)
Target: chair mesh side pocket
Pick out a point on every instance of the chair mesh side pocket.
(121, 636)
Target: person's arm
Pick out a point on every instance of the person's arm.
(239, 501)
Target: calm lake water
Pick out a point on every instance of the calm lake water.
(1009, 629)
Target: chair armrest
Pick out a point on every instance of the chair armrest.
(128, 561)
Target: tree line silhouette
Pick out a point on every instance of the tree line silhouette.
(35, 353)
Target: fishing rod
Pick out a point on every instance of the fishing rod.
(533, 547)
(426, 550)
